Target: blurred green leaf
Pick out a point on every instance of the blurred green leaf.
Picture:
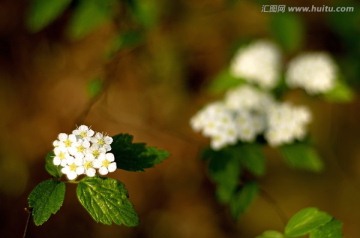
(95, 87)
(145, 12)
(43, 12)
(340, 93)
(224, 170)
(242, 199)
(106, 201)
(332, 229)
(52, 169)
(224, 81)
(127, 39)
(88, 16)
(302, 156)
(288, 30)
(46, 199)
(305, 221)
(252, 158)
(271, 234)
(135, 156)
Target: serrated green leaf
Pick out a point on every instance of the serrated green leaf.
(340, 93)
(224, 170)
(242, 199)
(288, 30)
(135, 156)
(88, 16)
(252, 158)
(332, 229)
(305, 221)
(224, 81)
(271, 234)
(52, 169)
(43, 12)
(106, 201)
(46, 199)
(302, 156)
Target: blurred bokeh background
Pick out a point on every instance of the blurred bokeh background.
(143, 68)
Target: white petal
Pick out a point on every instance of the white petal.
(62, 136)
(108, 140)
(80, 170)
(90, 133)
(71, 175)
(110, 157)
(103, 171)
(97, 163)
(56, 161)
(90, 172)
(112, 167)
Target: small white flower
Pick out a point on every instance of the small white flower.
(102, 140)
(83, 132)
(258, 63)
(73, 169)
(105, 163)
(286, 123)
(95, 150)
(61, 156)
(79, 148)
(314, 72)
(66, 140)
(88, 166)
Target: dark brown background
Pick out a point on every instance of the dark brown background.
(152, 92)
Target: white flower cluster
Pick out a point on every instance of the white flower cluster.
(247, 112)
(258, 63)
(286, 123)
(315, 72)
(83, 152)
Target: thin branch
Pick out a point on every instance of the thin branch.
(28, 211)
(280, 212)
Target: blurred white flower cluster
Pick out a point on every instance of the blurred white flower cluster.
(247, 112)
(250, 110)
(315, 72)
(259, 63)
(83, 152)
(286, 123)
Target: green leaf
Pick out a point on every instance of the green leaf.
(332, 229)
(340, 93)
(106, 201)
(46, 199)
(224, 170)
(224, 81)
(305, 221)
(43, 12)
(302, 156)
(52, 169)
(271, 234)
(135, 156)
(252, 158)
(288, 30)
(88, 16)
(95, 87)
(127, 39)
(242, 200)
